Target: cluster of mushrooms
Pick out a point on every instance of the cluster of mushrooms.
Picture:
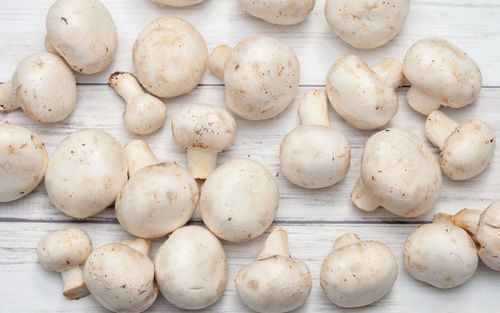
(90, 170)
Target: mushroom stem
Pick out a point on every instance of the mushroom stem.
(313, 109)
(363, 198)
(345, 240)
(126, 85)
(391, 70)
(8, 101)
(201, 162)
(275, 244)
(218, 59)
(73, 285)
(139, 244)
(138, 155)
(48, 46)
(468, 220)
(442, 218)
(421, 102)
(438, 128)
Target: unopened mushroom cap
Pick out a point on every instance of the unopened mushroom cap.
(239, 200)
(157, 200)
(191, 268)
(488, 234)
(23, 161)
(83, 33)
(280, 12)
(170, 57)
(85, 173)
(176, 3)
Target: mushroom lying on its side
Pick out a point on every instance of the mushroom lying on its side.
(176, 3)
(279, 12)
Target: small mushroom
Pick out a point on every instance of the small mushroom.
(170, 57)
(83, 33)
(65, 251)
(440, 254)
(43, 86)
(177, 3)
(279, 12)
(144, 114)
(275, 282)
(23, 161)
(365, 97)
(239, 200)
(120, 276)
(204, 130)
(315, 155)
(191, 268)
(467, 149)
(85, 173)
(440, 75)
(261, 75)
(358, 273)
(399, 173)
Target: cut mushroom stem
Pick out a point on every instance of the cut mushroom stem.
(363, 198)
(391, 70)
(139, 244)
(73, 284)
(438, 128)
(201, 162)
(275, 244)
(313, 109)
(218, 59)
(8, 101)
(138, 155)
(468, 220)
(346, 240)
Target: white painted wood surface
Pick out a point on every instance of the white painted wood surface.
(314, 219)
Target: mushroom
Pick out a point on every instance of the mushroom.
(366, 24)
(279, 12)
(275, 282)
(440, 254)
(83, 33)
(144, 114)
(399, 173)
(365, 97)
(204, 130)
(261, 75)
(138, 155)
(23, 161)
(467, 149)
(358, 273)
(191, 268)
(239, 200)
(315, 155)
(65, 251)
(170, 57)
(120, 276)
(440, 75)
(176, 3)
(85, 173)
(43, 86)
(157, 199)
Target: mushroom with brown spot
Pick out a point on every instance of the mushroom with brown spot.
(279, 12)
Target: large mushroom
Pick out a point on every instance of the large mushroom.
(176, 3)
(279, 12)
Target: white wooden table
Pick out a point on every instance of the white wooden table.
(313, 218)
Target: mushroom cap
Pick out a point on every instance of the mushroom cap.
(359, 95)
(63, 249)
(440, 254)
(443, 71)
(45, 87)
(261, 77)
(468, 150)
(157, 200)
(239, 200)
(120, 278)
(177, 3)
(170, 57)
(358, 274)
(401, 172)
(23, 161)
(487, 235)
(144, 115)
(83, 33)
(85, 173)
(191, 268)
(315, 156)
(366, 24)
(203, 126)
(279, 12)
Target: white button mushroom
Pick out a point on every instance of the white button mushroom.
(43, 86)
(279, 12)
(440, 75)
(239, 200)
(66, 251)
(121, 277)
(365, 97)
(170, 57)
(440, 254)
(85, 173)
(144, 114)
(315, 155)
(261, 75)
(204, 130)
(176, 3)
(366, 24)
(399, 173)
(23, 161)
(467, 149)
(191, 268)
(83, 33)
(357, 273)
(275, 282)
